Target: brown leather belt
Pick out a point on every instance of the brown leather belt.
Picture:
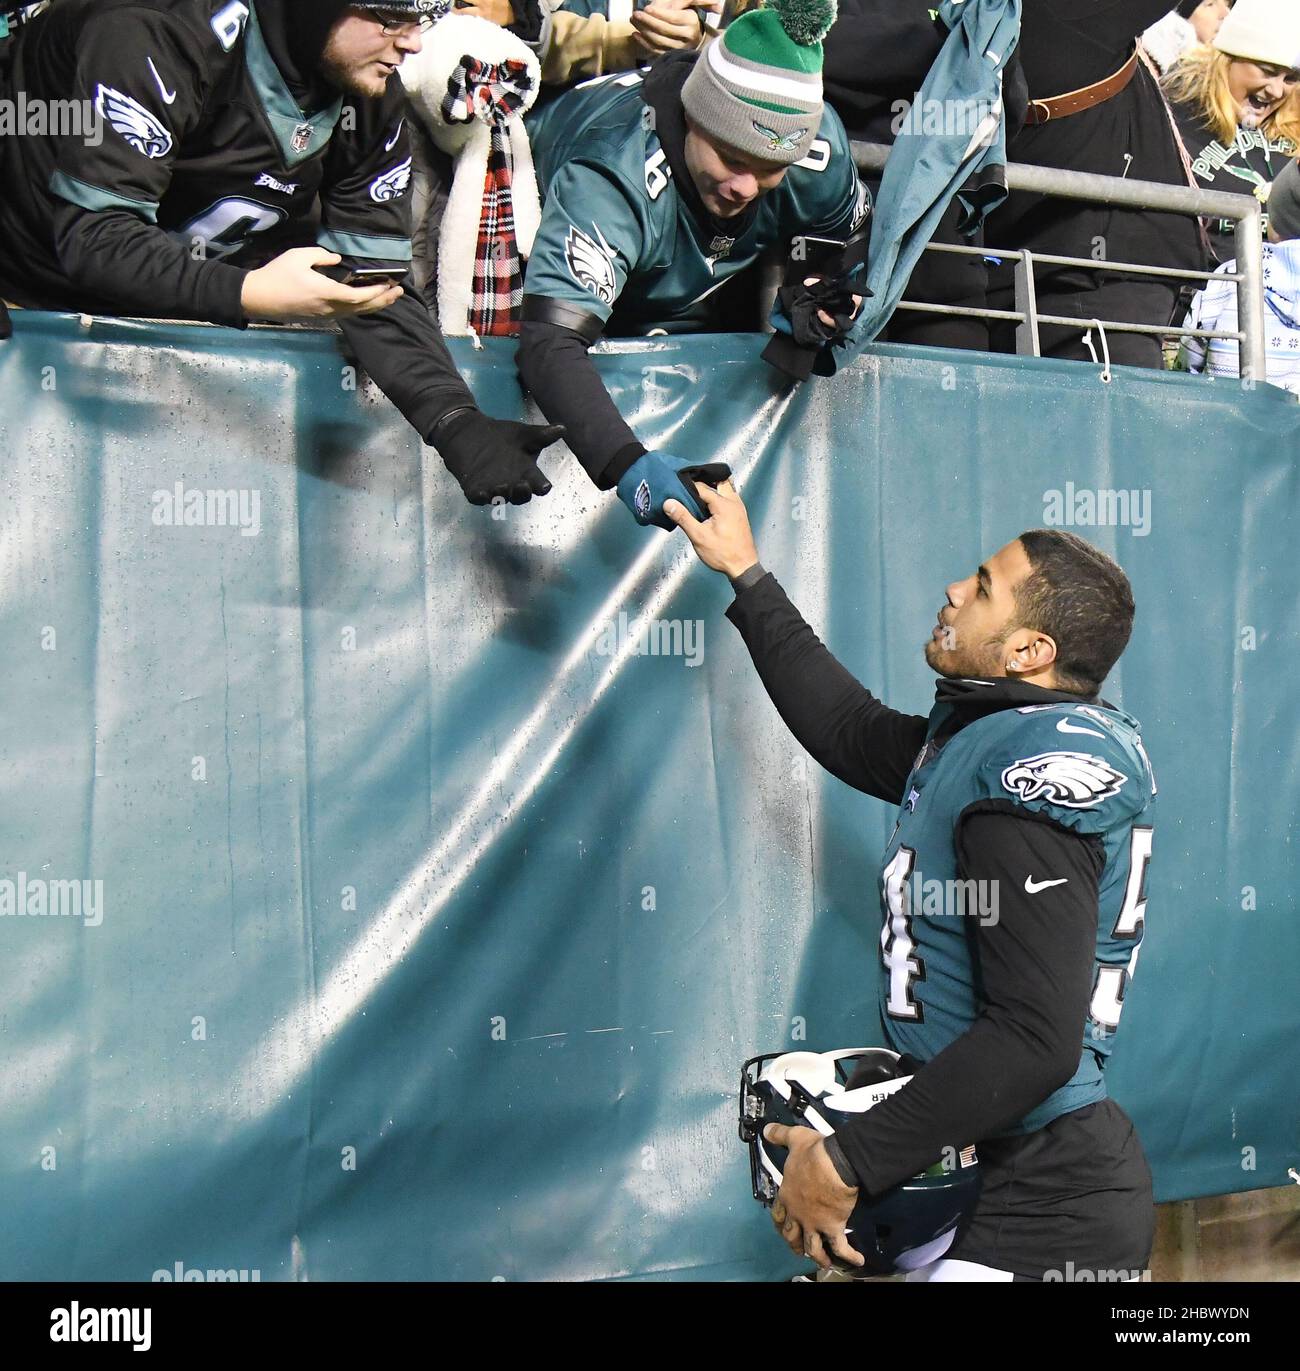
(1076, 101)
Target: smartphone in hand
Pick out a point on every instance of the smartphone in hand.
(364, 276)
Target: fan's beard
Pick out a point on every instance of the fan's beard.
(342, 78)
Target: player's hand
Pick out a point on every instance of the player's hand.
(723, 542)
(670, 25)
(496, 458)
(289, 287)
(813, 1204)
(657, 477)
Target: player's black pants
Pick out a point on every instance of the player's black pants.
(1072, 1197)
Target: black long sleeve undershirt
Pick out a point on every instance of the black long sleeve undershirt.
(403, 352)
(558, 372)
(1035, 962)
(833, 716)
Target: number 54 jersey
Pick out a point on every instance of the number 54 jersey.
(175, 112)
(1082, 767)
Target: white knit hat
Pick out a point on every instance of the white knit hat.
(1265, 31)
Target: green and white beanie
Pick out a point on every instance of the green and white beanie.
(758, 87)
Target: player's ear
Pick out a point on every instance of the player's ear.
(1028, 651)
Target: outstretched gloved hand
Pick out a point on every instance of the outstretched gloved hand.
(495, 458)
(658, 476)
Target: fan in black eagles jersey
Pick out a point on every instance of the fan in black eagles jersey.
(219, 120)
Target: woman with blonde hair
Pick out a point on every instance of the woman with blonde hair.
(1237, 103)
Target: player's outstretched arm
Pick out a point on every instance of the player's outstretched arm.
(832, 715)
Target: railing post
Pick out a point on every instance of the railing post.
(1252, 358)
(1027, 343)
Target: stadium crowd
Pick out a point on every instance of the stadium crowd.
(626, 167)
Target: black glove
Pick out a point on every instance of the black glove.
(801, 303)
(798, 345)
(6, 328)
(494, 458)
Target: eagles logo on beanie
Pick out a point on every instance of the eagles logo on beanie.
(758, 87)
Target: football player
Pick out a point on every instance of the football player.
(659, 189)
(221, 123)
(1026, 785)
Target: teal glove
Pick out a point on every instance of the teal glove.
(659, 476)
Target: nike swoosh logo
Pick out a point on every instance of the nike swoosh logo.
(392, 142)
(169, 96)
(1033, 886)
(1065, 726)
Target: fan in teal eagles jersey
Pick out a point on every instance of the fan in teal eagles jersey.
(659, 188)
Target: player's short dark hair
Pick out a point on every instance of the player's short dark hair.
(1081, 599)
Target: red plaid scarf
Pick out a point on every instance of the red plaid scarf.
(492, 92)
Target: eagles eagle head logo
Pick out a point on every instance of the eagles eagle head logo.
(591, 263)
(1076, 780)
(392, 184)
(779, 142)
(135, 123)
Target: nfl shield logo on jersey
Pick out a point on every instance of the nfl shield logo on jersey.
(301, 140)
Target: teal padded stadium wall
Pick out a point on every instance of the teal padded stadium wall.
(436, 918)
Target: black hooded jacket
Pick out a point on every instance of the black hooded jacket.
(296, 32)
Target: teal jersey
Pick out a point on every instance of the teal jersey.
(615, 232)
(1080, 766)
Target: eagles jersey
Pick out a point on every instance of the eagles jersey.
(198, 135)
(616, 235)
(1081, 766)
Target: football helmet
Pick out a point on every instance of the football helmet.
(909, 1226)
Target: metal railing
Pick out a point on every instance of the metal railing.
(1244, 210)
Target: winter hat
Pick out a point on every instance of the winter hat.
(1284, 202)
(758, 87)
(1265, 31)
